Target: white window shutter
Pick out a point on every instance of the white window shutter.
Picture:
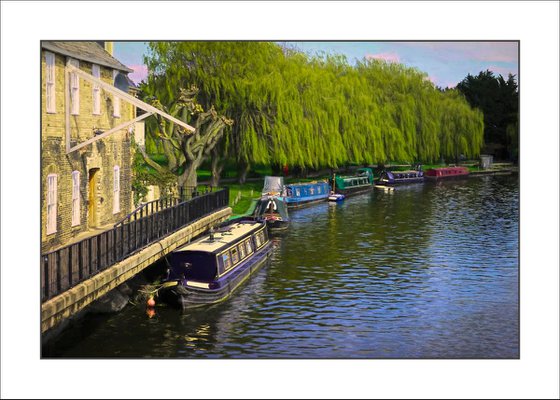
(51, 203)
(75, 198)
(116, 100)
(75, 88)
(95, 71)
(50, 82)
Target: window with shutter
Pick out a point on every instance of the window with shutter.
(50, 82)
(74, 88)
(116, 189)
(116, 100)
(75, 198)
(51, 203)
(95, 71)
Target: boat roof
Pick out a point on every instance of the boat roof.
(307, 183)
(411, 171)
(223, 237)
(456, 167)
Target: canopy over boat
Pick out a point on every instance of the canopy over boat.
(273, 185)
(272, 205)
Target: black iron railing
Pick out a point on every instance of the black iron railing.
(63, 268)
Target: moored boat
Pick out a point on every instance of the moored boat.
(209, 269)
(400, 177)
(446, 173)
(336, 197)
(301, 194)
(273, 210)
(360, 182)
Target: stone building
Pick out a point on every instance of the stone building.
(86, 189)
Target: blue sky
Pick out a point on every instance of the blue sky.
(446, 63)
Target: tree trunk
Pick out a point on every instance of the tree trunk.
(217, 168)
(188, 179)
(242, 172)
(171, 157)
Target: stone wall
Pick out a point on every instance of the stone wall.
(104, 155)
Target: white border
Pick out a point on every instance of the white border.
(24, 375)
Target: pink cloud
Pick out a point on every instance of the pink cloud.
(140, 73)
(389, 57)
(432, 78)
(504, 71)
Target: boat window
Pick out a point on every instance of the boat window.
(289, 191)
(249, 246)
(242, 251)
(226, 260)
(261, 237)
(311, 191)
(297, 192)
(234, 256)
(258, 239)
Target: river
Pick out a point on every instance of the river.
(427, 271)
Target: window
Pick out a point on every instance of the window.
(234, 256)
(74, 88)
(226, 260)
(116, 100)
(242, 251)
(258, 239)
(96, 73)
(51, 203)
(249, 246)
(75, 198)
(116, 189)
(50, 81)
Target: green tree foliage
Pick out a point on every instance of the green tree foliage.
(190, 149)
(498, 100)
(315, 111)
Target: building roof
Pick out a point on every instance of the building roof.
(87, 51)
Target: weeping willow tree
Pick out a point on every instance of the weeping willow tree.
(238, 78)
(314, 111)
(190, 148)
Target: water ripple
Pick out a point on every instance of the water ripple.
(429, 271)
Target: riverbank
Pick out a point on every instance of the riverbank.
(243, 197)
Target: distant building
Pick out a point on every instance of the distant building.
(89, 187)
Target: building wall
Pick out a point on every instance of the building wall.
(103, 154)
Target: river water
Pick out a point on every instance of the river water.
(427, 271)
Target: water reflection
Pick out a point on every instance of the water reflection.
(424, 271)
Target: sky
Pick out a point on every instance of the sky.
(445, 63)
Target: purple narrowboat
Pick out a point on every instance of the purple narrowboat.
(210, 269)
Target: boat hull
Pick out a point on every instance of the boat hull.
(436, 174)
(299, 203)
(351, 191)
(186, 296)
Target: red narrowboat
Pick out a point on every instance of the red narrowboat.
(446, 172)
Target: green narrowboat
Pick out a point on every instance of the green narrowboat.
(360, 182)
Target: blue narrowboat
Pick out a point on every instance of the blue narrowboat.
(209, 269)
(301, 194)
